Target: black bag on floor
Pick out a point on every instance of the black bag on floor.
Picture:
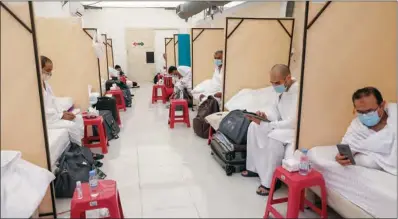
(235, 126)
(208, 107)
(107, 103)
(127, 97)
(75, 165)
(186, 96)
(111, 127)
(231, 157)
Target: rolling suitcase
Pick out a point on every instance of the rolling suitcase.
(231, 157)
(107, 103)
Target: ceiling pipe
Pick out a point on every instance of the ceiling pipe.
(189, 9)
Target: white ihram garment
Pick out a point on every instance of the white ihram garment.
(185, 81)
(209, 87)
(376, 150)
(266, 142)
(54, 115)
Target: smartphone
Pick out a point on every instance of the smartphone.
(344, 149)
(250, 114)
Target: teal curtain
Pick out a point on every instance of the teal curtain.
(184, 50)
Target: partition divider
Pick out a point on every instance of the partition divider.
(27, 134)
(252, 47)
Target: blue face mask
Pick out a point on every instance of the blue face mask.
(280, 88)
(369, 119)
(218, 62)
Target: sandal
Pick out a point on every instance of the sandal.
(98, 156)
(249, 174)
(262, 190)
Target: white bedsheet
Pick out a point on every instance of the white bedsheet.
(252, 100)
(58, 139)
(23, 185)
(372, 190)
(65, 103)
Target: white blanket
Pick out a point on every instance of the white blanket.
(376, 149)
(252, 100)
(372, 190)
(23, 185)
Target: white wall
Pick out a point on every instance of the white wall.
(114, 21)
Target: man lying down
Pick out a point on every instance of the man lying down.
(211, 87)
(372, 135)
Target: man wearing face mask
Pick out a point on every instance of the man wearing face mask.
(372, 135)
(55, 116)
(267, 140)
(211, 87)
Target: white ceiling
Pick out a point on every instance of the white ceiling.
(146, 4)
(135, 4)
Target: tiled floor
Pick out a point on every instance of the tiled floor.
(170, 174)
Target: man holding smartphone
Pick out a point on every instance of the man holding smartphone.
(372, 135)
(268, 135)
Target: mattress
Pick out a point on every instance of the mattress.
(58, 140)
(23, 185)
(252, 100)
(372, 190)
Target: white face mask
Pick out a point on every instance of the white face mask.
(46, 76)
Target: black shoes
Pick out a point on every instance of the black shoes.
(98, 156)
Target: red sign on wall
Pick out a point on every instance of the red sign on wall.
(137, 44)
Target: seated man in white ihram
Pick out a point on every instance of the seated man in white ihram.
(266, 141)
(184, 74)
(211, 87)
(56, 118)
(372, 135)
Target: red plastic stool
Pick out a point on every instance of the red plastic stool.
(155, 96)
(123, 79)
(168, 81)
(103, 140)
(210, 135)
(185, 116)
(296, 196)
(108, 197)
(118, 94)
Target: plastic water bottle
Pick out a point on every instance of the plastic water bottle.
(304, 167)
(93, 182)
(79, 190)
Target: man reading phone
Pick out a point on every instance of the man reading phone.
(372, 135)
(266, 140)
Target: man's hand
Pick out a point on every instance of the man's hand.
(218, 95)
(257, 121)
(201, 97)
(342, 160)
(68, 116)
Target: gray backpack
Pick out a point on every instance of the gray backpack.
(235, 126)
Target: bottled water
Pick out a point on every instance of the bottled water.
(93, 182)
(79, 190)
(304, 166)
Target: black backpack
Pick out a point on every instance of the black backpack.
(208, 107)
(235, 126)
(75, 165)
